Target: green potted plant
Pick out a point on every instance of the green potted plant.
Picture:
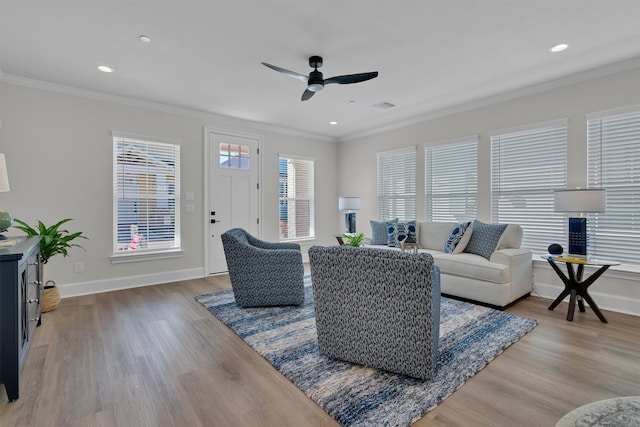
(53, 241)
(356, 240)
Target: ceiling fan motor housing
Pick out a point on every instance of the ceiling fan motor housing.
(316, 82)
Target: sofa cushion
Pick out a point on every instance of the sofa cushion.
(511, 238)
(484, 239)
(471, 266)
(433, 235)
(398, 232)
(466, 237)
(379, 231)
(455, 238)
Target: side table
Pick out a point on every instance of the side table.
(574, 286)
(410, 247)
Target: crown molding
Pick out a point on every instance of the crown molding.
(156, 106)
(605, 70)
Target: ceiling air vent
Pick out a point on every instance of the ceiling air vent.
(384, 105)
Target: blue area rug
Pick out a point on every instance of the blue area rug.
(470, 337)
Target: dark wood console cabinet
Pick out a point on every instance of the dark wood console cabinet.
(19, 308)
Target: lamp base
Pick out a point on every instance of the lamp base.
(578, 236)
(350, 222)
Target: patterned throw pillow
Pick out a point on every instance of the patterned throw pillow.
(379, 231)
(397, 232)
(455, 237)
(485, 238)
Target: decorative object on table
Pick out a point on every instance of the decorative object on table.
(555, 249)
(263, 273)
(349, 204)
(581, 201)
(5, 217)
(355, 240)
(53, 241)
(471, 337)
(619, 411)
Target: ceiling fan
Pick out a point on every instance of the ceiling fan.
(315, 82)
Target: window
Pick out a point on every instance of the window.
(233, 156)
(451, 181)
(296, 198)
(146, 196)
(527, 165)
(614, 164)
(397, 184)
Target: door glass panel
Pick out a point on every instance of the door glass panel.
(233, 156)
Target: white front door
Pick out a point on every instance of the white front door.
(233, 164)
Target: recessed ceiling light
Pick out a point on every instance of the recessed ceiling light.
(333, 123)
(558, 48)
(145, 39)
(105, 69)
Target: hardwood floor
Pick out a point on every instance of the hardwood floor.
(153, 356)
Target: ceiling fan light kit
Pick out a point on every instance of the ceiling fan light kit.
(315, 81)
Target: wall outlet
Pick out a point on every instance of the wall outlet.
(79, 267)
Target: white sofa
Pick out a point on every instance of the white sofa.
(498, 281)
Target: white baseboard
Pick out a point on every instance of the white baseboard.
(620, 304)
(107, 285)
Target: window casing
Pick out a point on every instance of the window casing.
(146, 196)
(451, 180)
(527, 165)
(613, 141)
(296, 206)
(397, 184)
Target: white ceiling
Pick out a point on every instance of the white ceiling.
(206, 56)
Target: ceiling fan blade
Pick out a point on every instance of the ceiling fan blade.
(307, 94)
(287, 72)
(351, 78)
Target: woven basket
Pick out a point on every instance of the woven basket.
(49, 298)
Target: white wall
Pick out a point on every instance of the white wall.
(357, 160)
(59, 152)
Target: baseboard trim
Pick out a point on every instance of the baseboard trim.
(108, 285)
(620, 304)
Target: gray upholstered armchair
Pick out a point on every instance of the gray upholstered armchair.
(263, 273)
(377, 308)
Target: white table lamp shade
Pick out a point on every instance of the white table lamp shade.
(4, 177)
(349, 203)
(588, 200)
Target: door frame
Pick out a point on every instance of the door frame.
(207, 191)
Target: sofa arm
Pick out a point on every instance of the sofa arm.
(520, 268)
(509, 256)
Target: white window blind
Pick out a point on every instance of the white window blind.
(614, 164)
(296, 198)
(527, 165)
(397, 184)
(146, 193)
(451, 181)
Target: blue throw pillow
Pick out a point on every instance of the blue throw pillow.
(379, 231)
(485, 238)
(398, 232)
(455, 237)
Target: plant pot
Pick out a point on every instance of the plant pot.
(49, 298)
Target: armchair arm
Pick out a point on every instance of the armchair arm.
(269, 245)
